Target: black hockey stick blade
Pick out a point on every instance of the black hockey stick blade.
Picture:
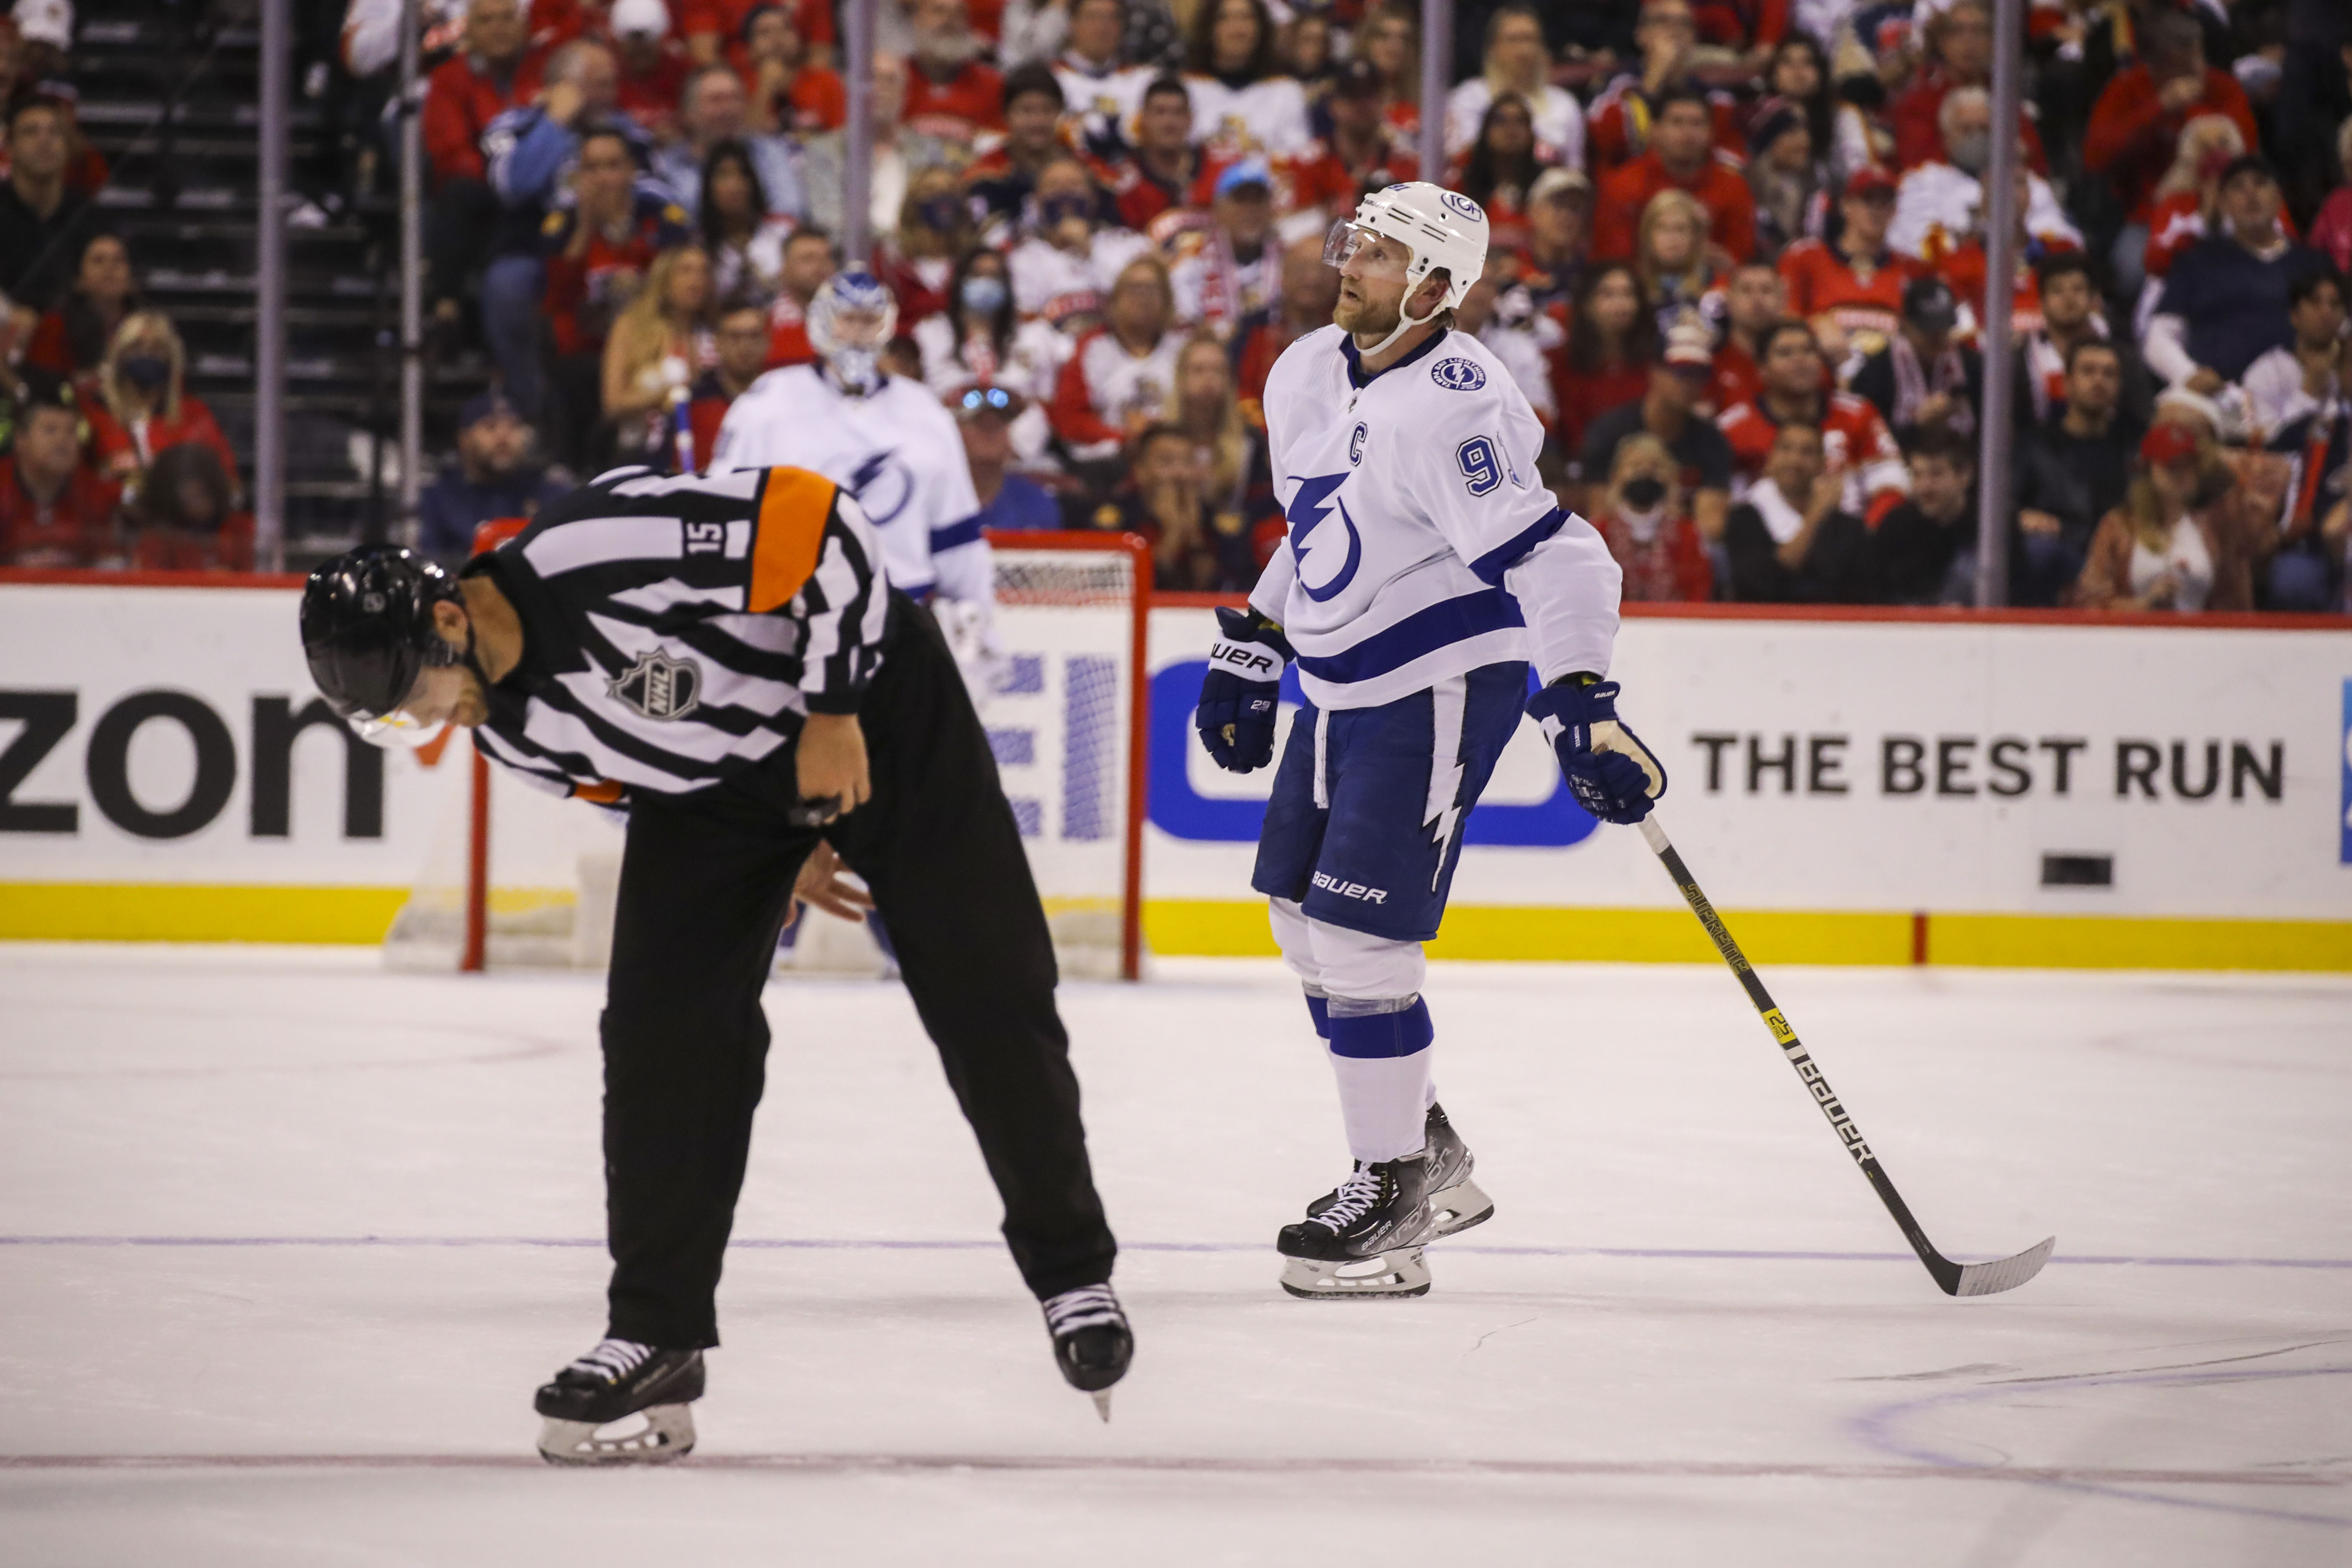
(1953, 1278)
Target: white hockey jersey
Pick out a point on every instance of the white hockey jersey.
(1421, 543)
(898, 451)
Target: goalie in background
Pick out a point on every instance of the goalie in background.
(722, 659)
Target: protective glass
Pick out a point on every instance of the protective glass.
(1348, 242)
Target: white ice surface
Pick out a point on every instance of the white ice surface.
(286, 1242)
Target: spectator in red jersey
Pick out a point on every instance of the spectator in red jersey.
(1612, 341)
(1959, 51)
(55, 510)
(983, 342)
(1241, 101)
(742, 359)
(496, 69)
(184, 519)
(146, 404)
(1069, 262)
(652, 68)
(1310, 291)
(1668, 411)
(73, 335)
(1754, 299)
(1362, 143)
(1390, 40)
(1795, 390)
(951, 93)
(711, 27)
(1501, 167)
(2135, 125)
(1851, 293)
(1624, 117)
(1165, 165)
(1517, 64)
(1552, 263)
(2331, 230)
(1789, 540)
(917, 259)
(790, 94)
(2185, 207)
(598, 251)
(810, 257)
(1678, 277)
(1939, 205)
(1682, 157)
(1122, 375)
(1966, 266)
(1642, 518)
(1786, 176)
(1001, 180)
(1748, 29)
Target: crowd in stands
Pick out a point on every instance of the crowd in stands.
(1738, 268)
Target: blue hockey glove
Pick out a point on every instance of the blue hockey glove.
(1609, 771)
(1240, 693)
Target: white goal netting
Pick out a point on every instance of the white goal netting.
(1062, 720)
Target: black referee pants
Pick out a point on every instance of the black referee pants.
(706, 884)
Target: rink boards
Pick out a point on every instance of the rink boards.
(1862, 789)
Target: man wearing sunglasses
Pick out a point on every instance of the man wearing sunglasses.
(1426, 566)
(720, 659)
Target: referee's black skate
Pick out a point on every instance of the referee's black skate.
(1092, 1343)
(1367, 1241)
(618, 1379)
(1455, 1202)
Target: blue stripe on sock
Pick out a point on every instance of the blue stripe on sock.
(1320, 1009)
(1382, 1034)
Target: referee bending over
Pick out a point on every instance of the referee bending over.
(721, 658)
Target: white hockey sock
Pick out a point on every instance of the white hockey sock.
(1382, 1059)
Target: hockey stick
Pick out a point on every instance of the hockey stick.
(1956, 1278)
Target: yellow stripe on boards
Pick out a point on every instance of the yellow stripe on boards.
(2095, 942)
(174, 911)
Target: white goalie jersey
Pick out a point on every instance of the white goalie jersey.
(1421, 543)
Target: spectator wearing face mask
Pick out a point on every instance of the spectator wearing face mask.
(980, 340)
(1960, 49)
(1642, 518)
(146, 406)
(1924, 549)
(1939, 203)
(917, 260)
(183, 519)
(1069, 262)
(1001, 180)
(495, 475)
(2071, 471)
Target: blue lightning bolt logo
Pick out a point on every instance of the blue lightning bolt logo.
(1311, 503)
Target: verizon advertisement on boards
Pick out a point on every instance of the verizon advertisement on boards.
(169, 736)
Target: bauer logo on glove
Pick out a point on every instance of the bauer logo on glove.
(1241, 691)
(1609, 771)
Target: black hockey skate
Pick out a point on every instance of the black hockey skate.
(1455, 1202)
(1092, 1343)
(618, 1379)
(1367, 1241)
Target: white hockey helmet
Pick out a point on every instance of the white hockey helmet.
(1440, 227)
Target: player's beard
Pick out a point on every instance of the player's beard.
(1364, 316)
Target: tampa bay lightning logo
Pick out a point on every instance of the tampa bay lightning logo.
(1355, 445)
(1309, 507)
(882, 485)
(1465, 206)
(1456, 375)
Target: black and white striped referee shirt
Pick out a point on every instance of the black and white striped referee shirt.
(678, 630)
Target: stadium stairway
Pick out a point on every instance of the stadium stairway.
(170, 99)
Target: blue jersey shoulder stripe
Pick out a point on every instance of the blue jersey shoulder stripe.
(1491, 566)
(1447, 622)
(956, 534)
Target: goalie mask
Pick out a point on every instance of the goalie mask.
(849, 324)
(1437, 229)
(368, 634)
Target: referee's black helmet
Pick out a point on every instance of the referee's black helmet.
(367, 627)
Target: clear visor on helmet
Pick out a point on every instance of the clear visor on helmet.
(398, 730)
(1374, 253)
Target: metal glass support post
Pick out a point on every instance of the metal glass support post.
(269, 312)
(1999, 216)
(857, 136)
(1436, 76)
(412, 266)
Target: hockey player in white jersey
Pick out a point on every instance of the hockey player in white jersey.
(889, 442)
(1426, 568)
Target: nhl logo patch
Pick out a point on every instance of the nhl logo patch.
(1457, 375)
(660, 686)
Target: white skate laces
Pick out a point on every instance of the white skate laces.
(611, 1360)
(1356, 1197)
(1088, 1306)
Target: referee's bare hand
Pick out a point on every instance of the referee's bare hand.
(821, 885)
(832, 762)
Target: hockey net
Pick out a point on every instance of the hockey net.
(514, 877)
